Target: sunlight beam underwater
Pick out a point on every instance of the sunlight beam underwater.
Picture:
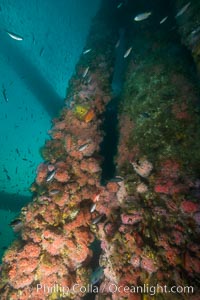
(32, 77)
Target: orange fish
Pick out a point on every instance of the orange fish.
(89, 116)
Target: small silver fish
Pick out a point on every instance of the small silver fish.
(126, 54)
(93, 207)
(117, 44)
(163, 20)
(50, 175)
(145, 115)
(182, 10)
(4, 93)
(120, 5)
(54, 192)
(116, 179)
(41, 51)
(195, 31)
(16, 225)
(97, 275)
(97, 219)
(83, 147)
(14, 36)
(15, 222)
(142, 16)
(86, 51)
(89, 80)
(85, 72)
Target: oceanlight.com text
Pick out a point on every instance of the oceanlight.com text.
(151, 289)
(113, 288)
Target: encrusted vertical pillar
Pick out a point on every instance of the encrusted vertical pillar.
(51, 258)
